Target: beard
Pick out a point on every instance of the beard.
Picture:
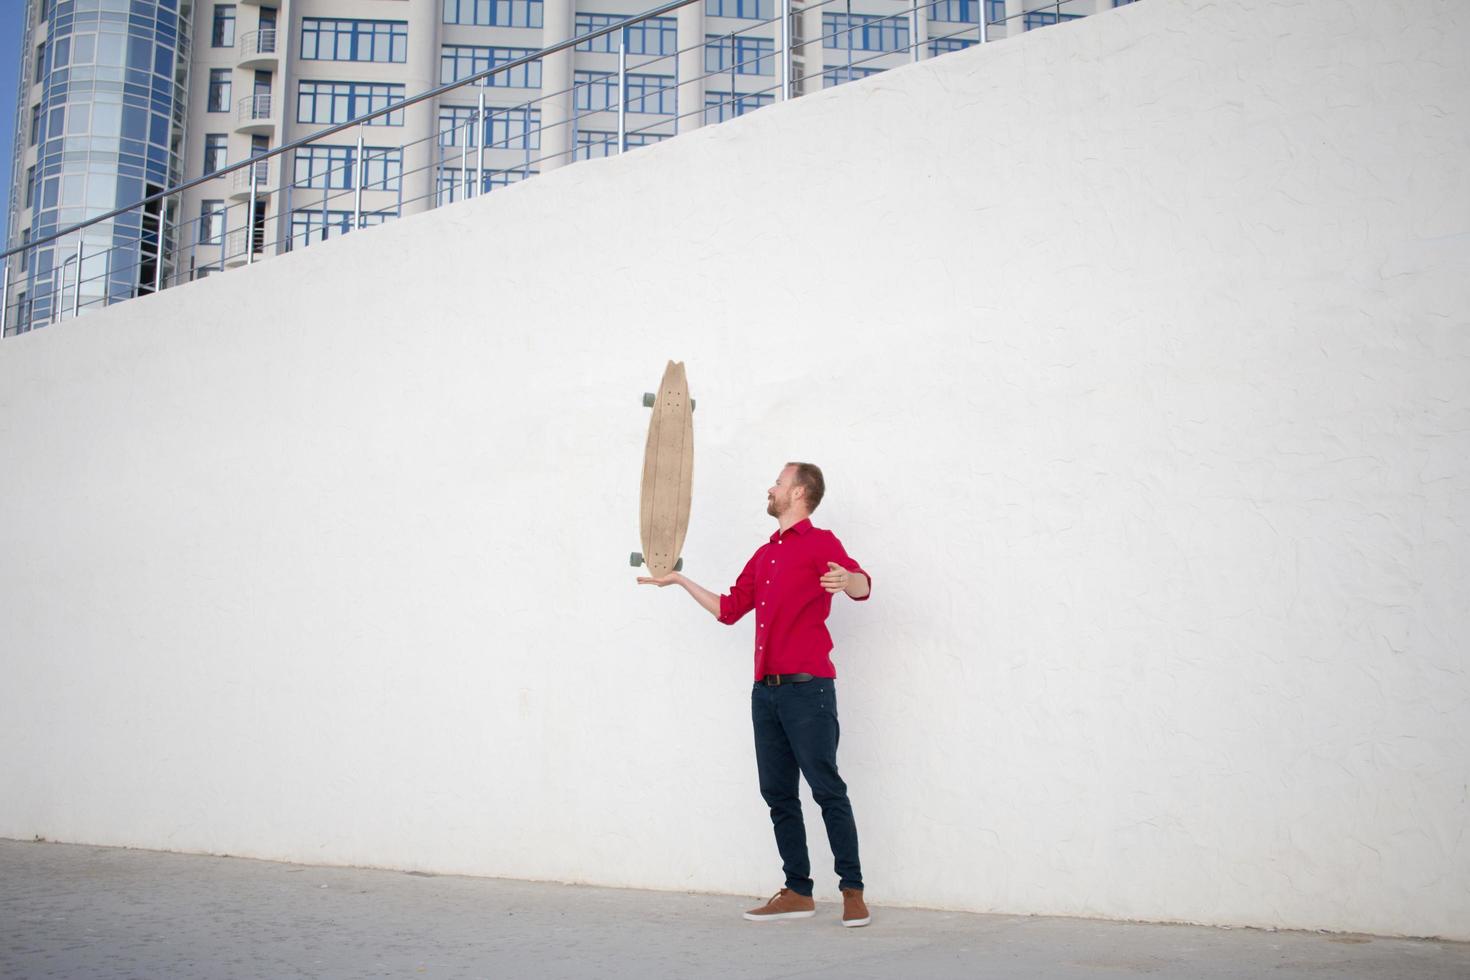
(772, 509)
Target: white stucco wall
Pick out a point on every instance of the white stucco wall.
(1136, 355)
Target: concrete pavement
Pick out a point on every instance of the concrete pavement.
(78, 912)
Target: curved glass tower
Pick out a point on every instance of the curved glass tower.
(103, 98)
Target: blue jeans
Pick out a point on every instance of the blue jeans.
(796, 731)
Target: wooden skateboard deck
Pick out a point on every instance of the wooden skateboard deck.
(668, 471)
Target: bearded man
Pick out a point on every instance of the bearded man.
(789, 583)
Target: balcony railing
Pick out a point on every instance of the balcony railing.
(623, 96)
(253, 108)
(262, 41)
(241, 179)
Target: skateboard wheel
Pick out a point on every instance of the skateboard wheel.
(635, 559)
(679, 565)
(648, 399)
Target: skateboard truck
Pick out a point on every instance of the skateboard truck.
(649, 398)
(636, 559)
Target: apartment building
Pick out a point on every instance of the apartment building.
(121, 99)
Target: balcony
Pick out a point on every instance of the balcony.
(254, 115)
(240, 180)
(240, 241)
(257, 49)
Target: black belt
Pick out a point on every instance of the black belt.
(776, 680)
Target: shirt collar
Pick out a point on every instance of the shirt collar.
(800, 527)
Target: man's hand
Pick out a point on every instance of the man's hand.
(670, 579)
(835, 580)
(703, 596)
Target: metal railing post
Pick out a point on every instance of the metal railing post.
(286, 214)
(916, 45)
(357, 177)
(250, 218)
(158, 267)
(4, 296)
(76, 294)
(734, 98)
(58, 292)
(464, 161)
(984, 32)
(480, 143)
(622, 90)
(785, 51)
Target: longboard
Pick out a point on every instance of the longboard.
(668, 471)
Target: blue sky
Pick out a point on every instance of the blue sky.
(12, 20)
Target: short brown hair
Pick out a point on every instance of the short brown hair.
(808, 476)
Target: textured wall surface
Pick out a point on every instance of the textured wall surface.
(1135, 351)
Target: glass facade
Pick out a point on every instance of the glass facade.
(104, 123)
(108, 131)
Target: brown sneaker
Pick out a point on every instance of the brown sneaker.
(854, 909)
(785, 904)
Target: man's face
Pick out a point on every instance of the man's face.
(778, 498)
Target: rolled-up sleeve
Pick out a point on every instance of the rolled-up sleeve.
(741, 597)
(834, 552)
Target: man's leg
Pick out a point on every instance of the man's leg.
(778, 771)
(809, 717)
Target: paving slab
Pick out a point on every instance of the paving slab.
(77, 912)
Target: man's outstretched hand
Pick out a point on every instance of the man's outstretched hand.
(670, 579)
(835, 580)
(703, 596)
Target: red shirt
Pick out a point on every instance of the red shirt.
(782, 583)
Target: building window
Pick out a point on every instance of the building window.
(493, 13)
(219, 89)
(339, 102)
(211, 222)
(744, 9)
(1044, 18)
(334, 168)
(514, 129)
(35, 124)
(719, 106)
(995, 11)
(30, 185)
(658, 35)
(216, 145)
(944, 45)
(864, 32)
(742, 55)
(223, 35)
(596, 91)
(458, 61)
(955, 11)
(452, 181)
(592, 143)
(504, 129)
(354, 40)
(40, 63)
(309, 226)
(846, 73)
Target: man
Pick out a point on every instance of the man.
(789, 583)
